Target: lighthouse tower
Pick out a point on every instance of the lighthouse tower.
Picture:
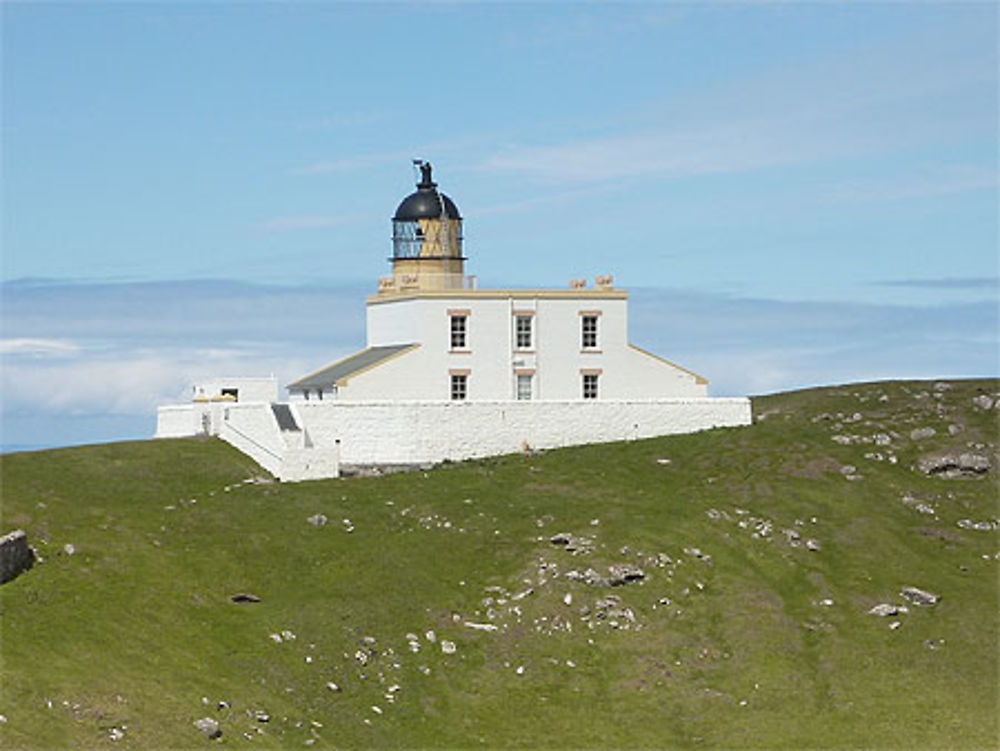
(426, 240)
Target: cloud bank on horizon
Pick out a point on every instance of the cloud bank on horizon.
(93, 361)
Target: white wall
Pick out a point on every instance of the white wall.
(253, 430)
(180, 420)
(250, 389)
(289, 456)
(401, 433)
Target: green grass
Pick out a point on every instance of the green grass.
(136, 626)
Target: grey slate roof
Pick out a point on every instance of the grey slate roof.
(366, 358)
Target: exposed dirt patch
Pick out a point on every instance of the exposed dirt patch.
(946, 535)
(814, 469)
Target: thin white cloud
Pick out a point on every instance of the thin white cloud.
(38, 347)
(730, 147)
(927, 184)
(986, 283)
(128, 383)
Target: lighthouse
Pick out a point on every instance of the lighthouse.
(426, 240)
(454, 371)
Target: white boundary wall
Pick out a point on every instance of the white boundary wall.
(399, 432)
(416, 432)
(178, 421)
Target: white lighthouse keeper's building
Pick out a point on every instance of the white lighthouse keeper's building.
(454, 372)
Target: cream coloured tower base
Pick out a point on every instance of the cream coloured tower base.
(453, 372)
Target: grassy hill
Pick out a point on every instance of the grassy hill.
(762, 553)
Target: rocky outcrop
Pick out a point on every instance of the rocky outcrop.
(572, 543)
(919, 596)
(954, 464)
(209, 727)
(15, 555)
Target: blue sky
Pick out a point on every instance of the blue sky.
(795, 193)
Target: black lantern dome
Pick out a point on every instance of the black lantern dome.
(426, 223)
(427, 202)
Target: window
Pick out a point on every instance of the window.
(235, 393)
(523, 332)
(523, 386)
(458, 331)
(459, 387)
(590, 385)
(588, 330)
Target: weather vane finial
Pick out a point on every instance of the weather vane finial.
(425, 174)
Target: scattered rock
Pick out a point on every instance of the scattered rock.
(589, 577)
(261, 716)
(116, 734)
(244, 597)
(813, 545)
(624, 573)
(955, 429)
(318, 520)
(848, 469)
(16, 556)
(448, 647)
(917, 505)
(884, 609)
(572, 543)
(209, 727)
(988, 526)
(697, 553)
(919, 596)
(983, 401)
(920, 434)
(950, 464)
(477, 627)
(894, 625)
(331, 686)
(69, 548)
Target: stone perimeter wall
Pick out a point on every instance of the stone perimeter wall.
(416, 432)
(15, 555)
